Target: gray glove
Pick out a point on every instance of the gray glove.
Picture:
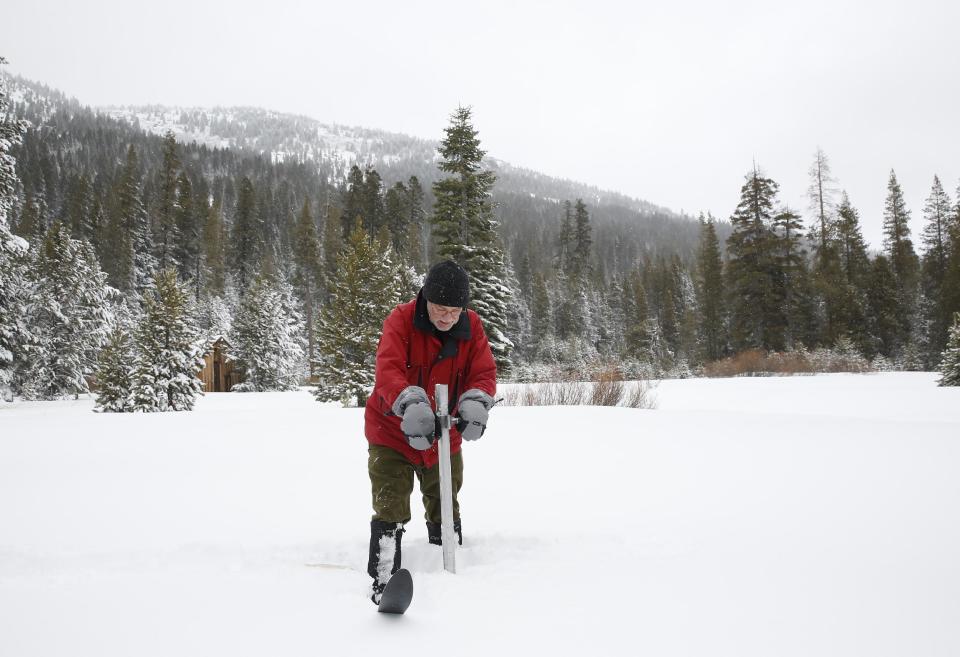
(409, 395)
(419, 425)
(474, 405)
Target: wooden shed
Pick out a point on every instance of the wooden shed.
(218, 374)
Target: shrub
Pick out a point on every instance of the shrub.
(754, 362)
(609, 389)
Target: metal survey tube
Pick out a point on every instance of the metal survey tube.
(447, 534)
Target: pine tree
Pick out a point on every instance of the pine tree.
(882, 309)
(582, 240)
(937, 214)
(540, 313)
(851, 246)
(565, 241)
(214, 250)
(950, 360)
(186, 250)
(757, 319)
(896, 230)
(417, 227)
(13, 250)
(31, 224)
(465, 229)
(215, 317)
(936, 312)
(166, 211)
(353, 197)
(791, 278)
(828, 288)
(396, 217)
(267, 337)
(332, 245)
(710, 295)
(821, 194)
(115, 372)
(308, 269)
(372, 198)
(637, 318)
(247, 239)
(903, 259)
(518, 311)
(169, 352)
(364, 293)
(77, 207)
(67, 316)
(131, 244)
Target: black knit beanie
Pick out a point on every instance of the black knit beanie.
(447, 284)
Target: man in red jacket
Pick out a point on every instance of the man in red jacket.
(432, 339)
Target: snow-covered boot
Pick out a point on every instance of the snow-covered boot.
(435, 536)
(384, 554)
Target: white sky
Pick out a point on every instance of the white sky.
(670, 104)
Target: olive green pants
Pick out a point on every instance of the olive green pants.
(391, 481)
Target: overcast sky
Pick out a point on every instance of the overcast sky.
(672, 104)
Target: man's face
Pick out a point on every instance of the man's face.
(443, 317)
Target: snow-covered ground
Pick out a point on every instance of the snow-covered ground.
(768, 517)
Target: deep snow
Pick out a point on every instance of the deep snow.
(775, 516)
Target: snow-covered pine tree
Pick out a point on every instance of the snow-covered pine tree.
(349, 326)
(214, 317)
(213, 250)
(466, 230)
(131, 245)
(247, 238)
(68, 315)
(189, 209)
(950, 361)
(169, 353)
(115, 371)
(267, 337)
(13, 330)
(518, 312)
(541, 317)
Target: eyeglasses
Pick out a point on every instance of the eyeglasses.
(445, 311)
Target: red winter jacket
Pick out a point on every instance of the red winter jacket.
(413, 353)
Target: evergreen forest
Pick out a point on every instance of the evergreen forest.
(127, 248)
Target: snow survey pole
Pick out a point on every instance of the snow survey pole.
(447, 535)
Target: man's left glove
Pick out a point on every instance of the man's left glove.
(474, 406)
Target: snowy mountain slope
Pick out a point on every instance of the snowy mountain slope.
(744, 526)
(302, 139)
(288, 137)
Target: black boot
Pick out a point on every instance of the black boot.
(384, 554)
(435, 536)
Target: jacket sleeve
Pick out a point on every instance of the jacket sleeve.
(391, 363)
(482, 373)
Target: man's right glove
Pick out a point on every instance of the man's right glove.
(418, 423)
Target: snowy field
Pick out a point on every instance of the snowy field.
(772, 517)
